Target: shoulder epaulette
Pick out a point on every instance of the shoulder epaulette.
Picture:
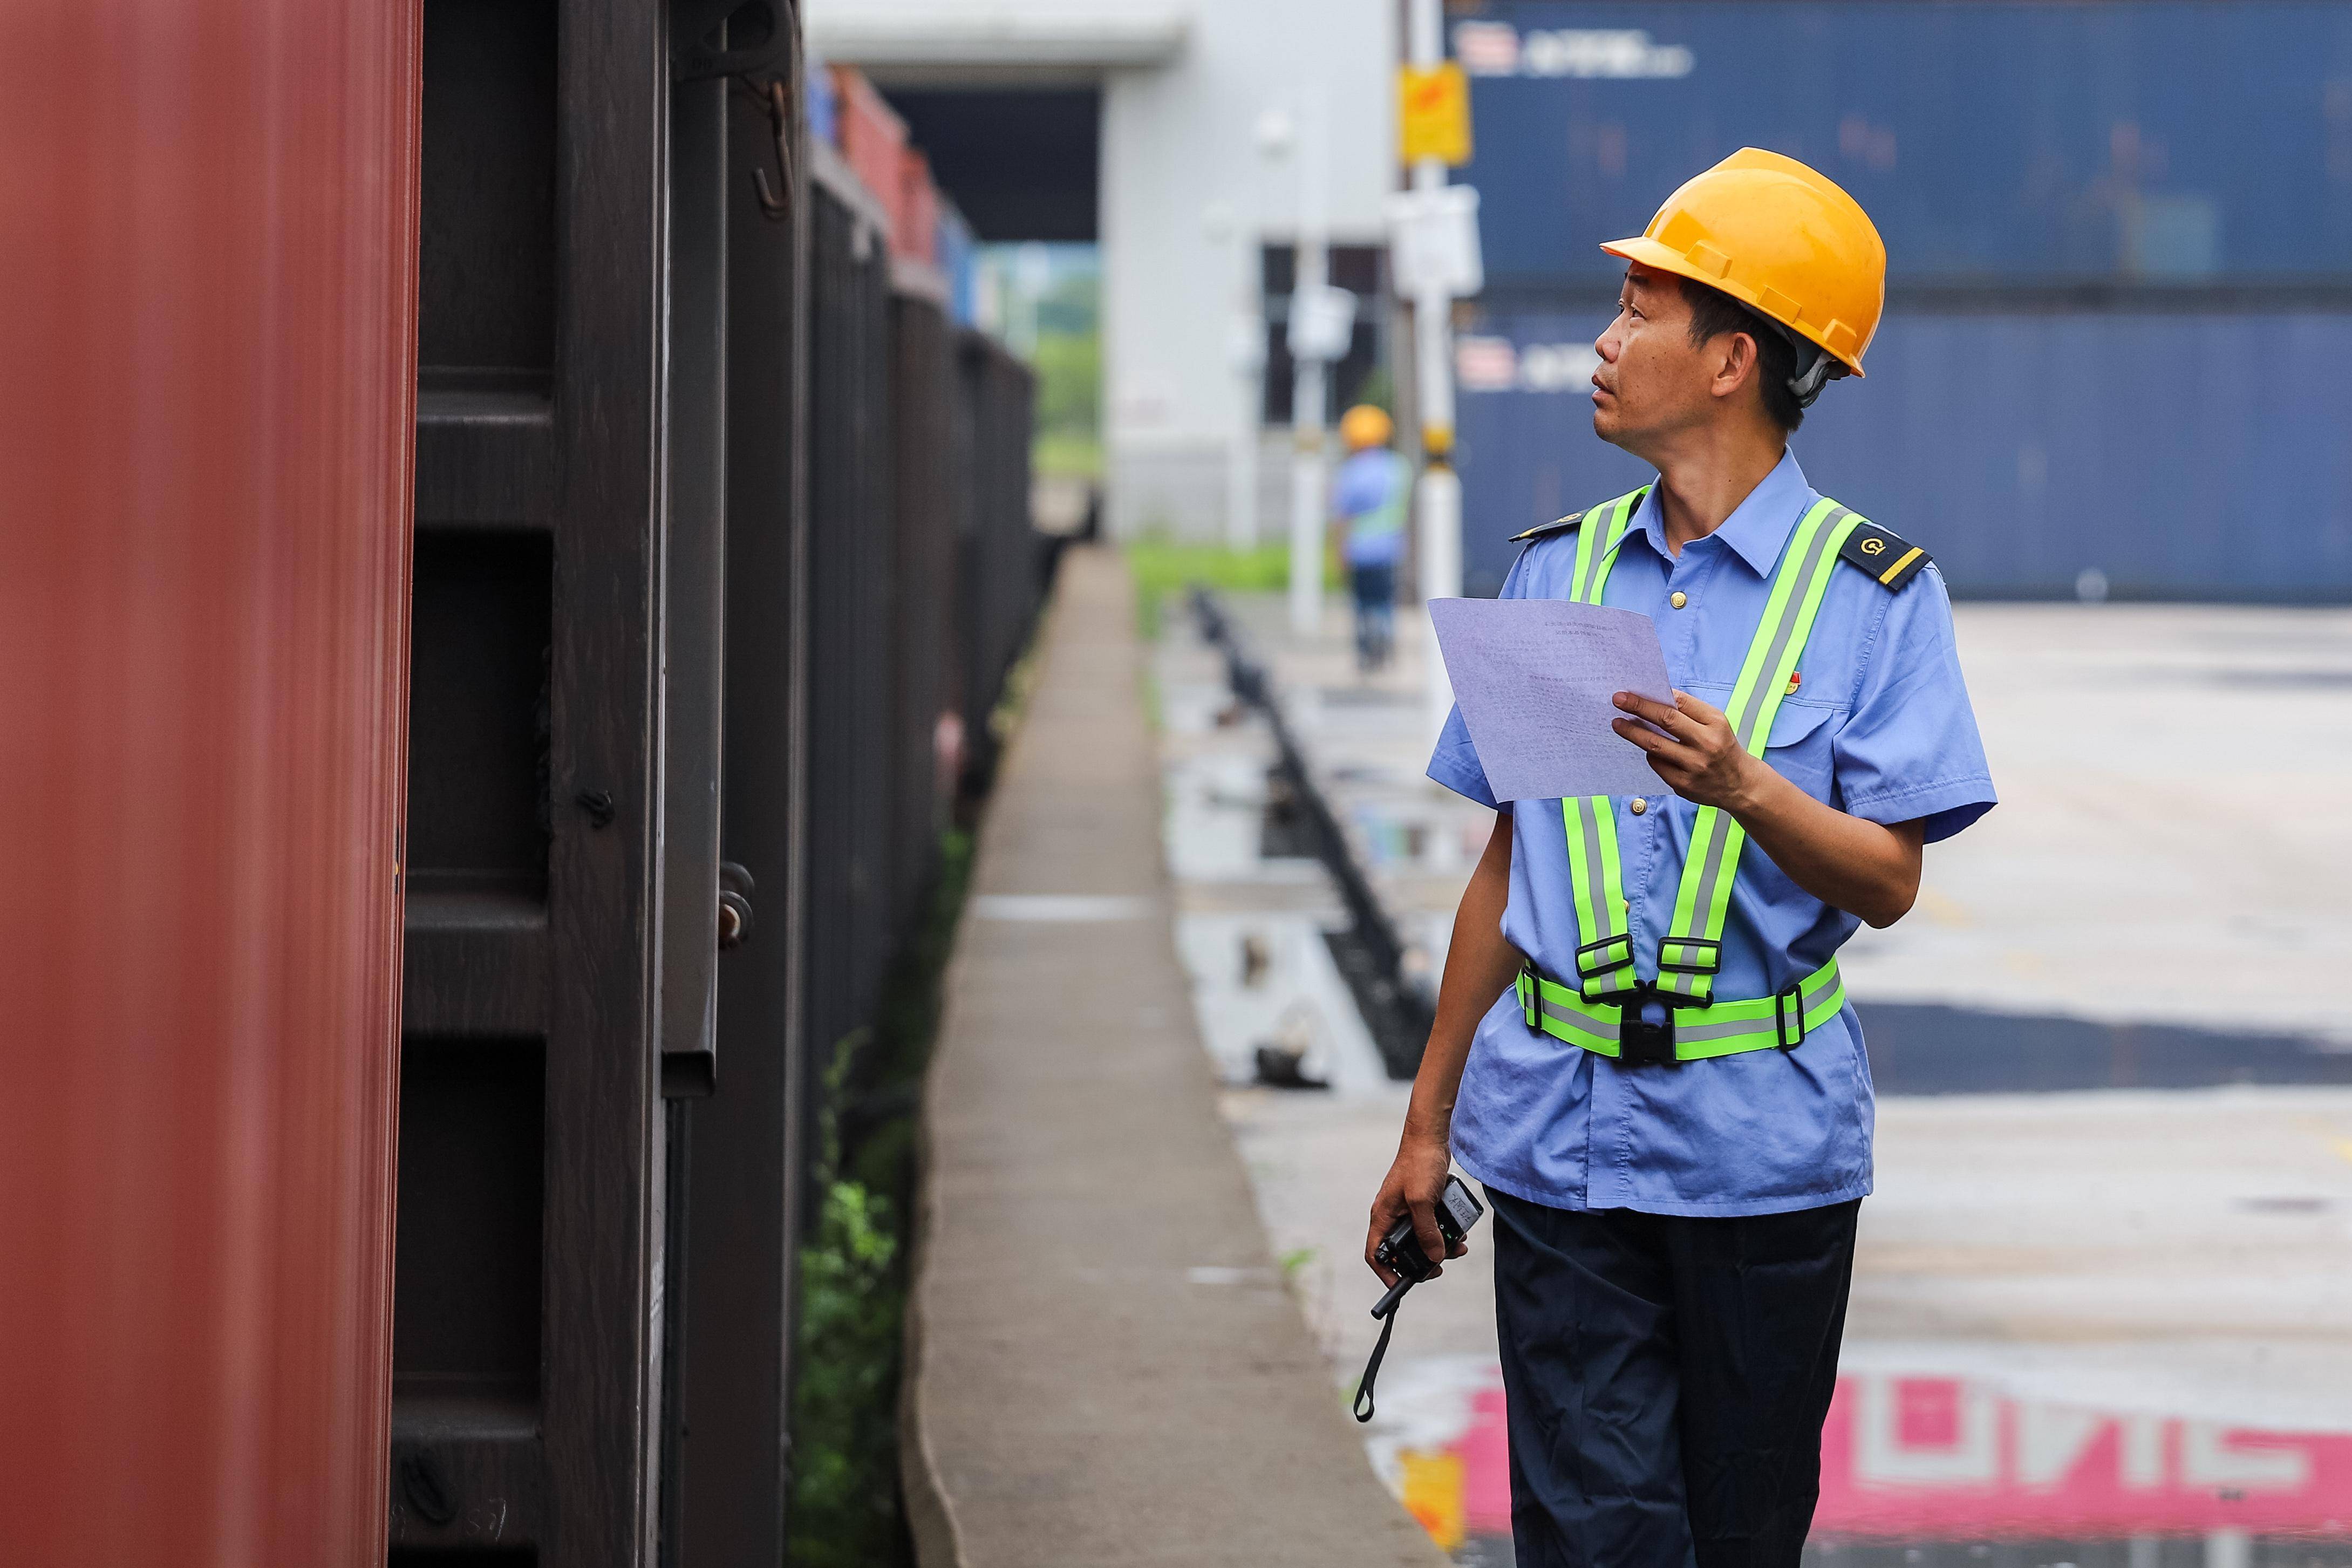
(1557, 525)
(1884, 554)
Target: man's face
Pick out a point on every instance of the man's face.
(1653, 380)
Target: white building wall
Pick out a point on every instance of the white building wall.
(1185, 84)
(1180, 162)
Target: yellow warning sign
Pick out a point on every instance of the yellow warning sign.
(1434, 114)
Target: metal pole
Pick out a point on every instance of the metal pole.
(1247, 353)
(1439, 496)
(1307, 383)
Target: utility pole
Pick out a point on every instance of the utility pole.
(1309, 278)
(1433, 248)
(1440, 496)
(1245, 354)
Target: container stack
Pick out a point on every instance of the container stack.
(2119, 244)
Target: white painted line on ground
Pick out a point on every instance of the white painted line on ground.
(1060, 909)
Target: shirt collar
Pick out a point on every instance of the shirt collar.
(1758, 528)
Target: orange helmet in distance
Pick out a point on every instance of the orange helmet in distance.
(1784, 240)
(1365, 425)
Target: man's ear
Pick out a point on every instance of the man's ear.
(1737, 362)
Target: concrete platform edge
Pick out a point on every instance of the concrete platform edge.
(1102, 1365)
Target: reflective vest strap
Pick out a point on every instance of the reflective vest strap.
(1703, 899)
(1604, 957)
(1692, 951)
(1724, 1029)
(1596, 545)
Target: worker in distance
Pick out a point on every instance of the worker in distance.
(1368, 497)
(1642, 1049)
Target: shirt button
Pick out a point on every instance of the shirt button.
(1678, 598)
(1640, 806)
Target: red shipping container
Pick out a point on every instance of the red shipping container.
(915, 219)
(873, 139)
(208, 217)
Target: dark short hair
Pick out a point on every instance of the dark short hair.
(1715, 312)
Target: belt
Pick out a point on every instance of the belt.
(1612, 1027)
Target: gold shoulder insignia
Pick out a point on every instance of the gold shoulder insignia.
(1558, 525)
(1888, 557)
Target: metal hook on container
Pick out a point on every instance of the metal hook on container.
(776, 200)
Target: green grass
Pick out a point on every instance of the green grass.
(1164, 566)
(847, 1508)
(1072, 454)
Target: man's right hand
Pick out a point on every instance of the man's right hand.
(1478, 964)
(1416, 1181)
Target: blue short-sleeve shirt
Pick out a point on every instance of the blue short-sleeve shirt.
(1880, 727)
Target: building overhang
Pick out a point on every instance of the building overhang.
(996, 42)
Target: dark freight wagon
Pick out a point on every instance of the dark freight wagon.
(722, 523)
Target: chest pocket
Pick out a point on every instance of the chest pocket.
(1798, 747)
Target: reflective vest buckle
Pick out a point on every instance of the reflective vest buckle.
(1639, 1042)
(1789, 1017)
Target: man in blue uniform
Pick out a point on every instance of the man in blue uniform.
(1642, 1046)
(1369, 499)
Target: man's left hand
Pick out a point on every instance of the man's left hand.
(1697, 756)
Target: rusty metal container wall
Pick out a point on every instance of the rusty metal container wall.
(209, 231)
(923, 579)
(850, 530)
(1006, 563)
(526, 1369)
(730, 1321)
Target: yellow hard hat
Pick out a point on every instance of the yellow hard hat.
(1365, 425)
(1781, 238)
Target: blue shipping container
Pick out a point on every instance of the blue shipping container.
(2157, 140)
(959, 259)
(2196, 455)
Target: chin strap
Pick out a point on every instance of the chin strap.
(1815, 366)
(1815, 370)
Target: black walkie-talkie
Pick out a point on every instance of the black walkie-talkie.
(1400, 1250)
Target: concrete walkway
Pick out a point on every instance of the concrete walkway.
(2074, 1313)
(1104, 1367)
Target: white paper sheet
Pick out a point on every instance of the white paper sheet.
(1537, 679)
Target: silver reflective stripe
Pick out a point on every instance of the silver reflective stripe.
(1595, 546)
(1612, 524)
(1808, 998)
(1791, 612)
(1588, 551)
(1606, 1034)
(1719, 1031)
(1596, 880)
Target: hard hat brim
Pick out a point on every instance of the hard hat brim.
(1650, 253)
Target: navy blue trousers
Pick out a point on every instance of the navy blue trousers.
(1375, 586)
(1667, 1379)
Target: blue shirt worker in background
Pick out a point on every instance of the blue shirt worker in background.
(1642, 1046)
(1367, 501)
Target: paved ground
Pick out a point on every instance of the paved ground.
(2088, 1327)
(1105, 1367)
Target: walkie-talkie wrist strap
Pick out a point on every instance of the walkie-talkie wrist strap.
(1372, 1367)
